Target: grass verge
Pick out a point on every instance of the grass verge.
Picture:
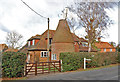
(20, 78)
(88, 69)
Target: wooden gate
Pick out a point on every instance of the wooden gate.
(42, 67)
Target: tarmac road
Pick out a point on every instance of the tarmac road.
(110, 73)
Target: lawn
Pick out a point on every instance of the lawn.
(51, 69)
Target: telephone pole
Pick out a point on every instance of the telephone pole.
(42, 17)
(48, 46)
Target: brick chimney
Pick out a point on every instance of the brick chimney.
(99, 39)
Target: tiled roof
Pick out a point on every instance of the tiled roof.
(24, 49)
(3, 47)
(82, 40)
(42, 44)
(76, 38)
(35, 37)
(51, 33)
(103, 45)
(62, 33)
(13, 50)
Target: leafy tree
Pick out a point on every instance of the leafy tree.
(14, 39)
(93, 17)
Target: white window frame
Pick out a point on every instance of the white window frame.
(104, 49)
(33, 42)
(54, 57)
(44, 53)
(111, 50)
(28, 43)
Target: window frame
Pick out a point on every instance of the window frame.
(111, 50)
(33, 42)
(43, 55)
(54, 57)
(29, 43)
(104, 49)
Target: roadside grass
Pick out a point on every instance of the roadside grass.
(87, 69)
(96, 68)
(20, 78)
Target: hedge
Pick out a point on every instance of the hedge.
(13, 64)
(74, 60)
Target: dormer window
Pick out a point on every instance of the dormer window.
(33, 42)
(28, 43)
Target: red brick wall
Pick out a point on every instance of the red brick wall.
(36, 41)
(57, 48)
(36, 55)
(76, 47)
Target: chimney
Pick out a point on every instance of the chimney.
(99, 39)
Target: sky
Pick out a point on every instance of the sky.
(15, 16)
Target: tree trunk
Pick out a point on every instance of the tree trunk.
(89, 47)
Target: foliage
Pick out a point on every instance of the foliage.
(74, 60)
(13, 64)
(118, 58)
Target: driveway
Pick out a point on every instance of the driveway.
(110, 73)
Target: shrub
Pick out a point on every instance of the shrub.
(13, 64)
(118, 57)
(74, 60)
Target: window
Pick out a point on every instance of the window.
(28, 58)
(50, 40)
(53, 57)
(104, 50)
(75, 43)
(44, 54)
(33, 42)
(84, 44)
(110, 50)
(28, 43)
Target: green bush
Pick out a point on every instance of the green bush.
(118, 58)
(74, 60)
(13, 64)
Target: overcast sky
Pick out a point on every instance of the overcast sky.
(14, 15)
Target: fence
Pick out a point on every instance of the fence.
(42, 67)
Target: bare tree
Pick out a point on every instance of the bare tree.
(72, 23)
(70, 19)
(93, 17)
(14, 39)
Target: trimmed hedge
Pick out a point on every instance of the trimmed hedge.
(13, 64)
(74, 60)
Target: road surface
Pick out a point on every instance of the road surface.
(110, 73)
